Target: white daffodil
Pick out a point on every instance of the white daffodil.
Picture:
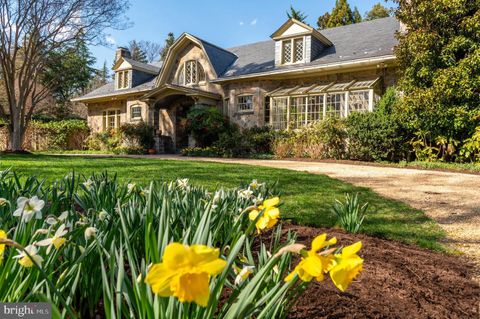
(245, 193)
(90, 232)
(217, 196)
(27, 207)
(26, 260)
(88, 184)
(3, 202)
(131, 187)
(182, 183)
(52, 220)
(255, 185)
(103, 215)
(57, 240)
(41, 231)
(243, 274)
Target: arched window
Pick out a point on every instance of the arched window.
(191, 72)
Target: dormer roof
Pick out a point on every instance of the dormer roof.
(293, 27)
(127, 63)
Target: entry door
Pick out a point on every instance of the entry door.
(181, 136)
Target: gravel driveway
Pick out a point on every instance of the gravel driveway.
(452, 199)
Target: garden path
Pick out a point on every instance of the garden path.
(451, 199)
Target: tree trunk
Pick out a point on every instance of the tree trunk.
(16, 140)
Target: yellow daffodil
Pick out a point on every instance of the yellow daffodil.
(346, 266)
(185, 272)
(312, 264)
(3, 235)
(56, 241)
(27, 261)
(270, 215)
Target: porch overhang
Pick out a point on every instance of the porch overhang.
(167, 90)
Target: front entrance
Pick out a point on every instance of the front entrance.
(181, 135)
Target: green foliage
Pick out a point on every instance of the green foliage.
(141, 132)
(471, 147)
(210, 151)
(168, 43)
(296, 14)
(341, 14)
(357, 17)
(65, 134)
(378, 11)
(127, 140)
(206, 124)
(439, 58)
(377, 135)
(247, 142)
(350, 214)
(136, 52)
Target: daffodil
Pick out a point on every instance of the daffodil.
(56, 241)
(182, 183)
(52, 220)
(242, 274)
(245, 193)
(270, 215)
(103, 215)
(3, 235)
(312, 264)
(28, 261)
(131, 187)
(88, 184)
(255, 185)
(90, 232)
(3, 202)
(27, 207)
(185, 272)
(346, 266)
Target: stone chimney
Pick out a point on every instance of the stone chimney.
(122, 53)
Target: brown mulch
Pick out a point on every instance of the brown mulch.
(398, 281)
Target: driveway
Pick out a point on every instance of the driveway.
(452, 199)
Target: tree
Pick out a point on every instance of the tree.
(296, 14)
(439, 57)
(357, 17)
(152, 50)
(378, 11)
(68, 71)
(322, 21)
(31, 31)
(136, 52)
(341, 14)
(168, 43)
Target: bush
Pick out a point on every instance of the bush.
(140, 133)
(203, 152)
(206, 124)
(246, 143)
(470, 149)
(57, 135)
(377, 135)
(350, 214)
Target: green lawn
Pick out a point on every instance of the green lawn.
(307, 197)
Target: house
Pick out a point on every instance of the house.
(299, 76)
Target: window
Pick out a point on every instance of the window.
(267, 110)
(136, 112)
(111, 119)
(292, 51)
(279, 113)
(297, 111)
(335, 105)
(358, 101)
(191, 72)
(315, 108)
(226, 106)
(122, 79)
(245, 103)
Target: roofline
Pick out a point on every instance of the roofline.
(136, 67)
(311, 68)
(112, 96)
(311, 30)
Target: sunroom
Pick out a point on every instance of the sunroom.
(293, 107)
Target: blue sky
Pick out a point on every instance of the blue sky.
(222, 22)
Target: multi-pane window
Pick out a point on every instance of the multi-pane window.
(358, 101)
(191, 72)
(297, 111)
(122, 79)
(292, 51)
(335, 105)
(136, 112)
(244, 103)
(226, 106)
(111, 119)
(315, 108)
(279, 113)
(267, 110)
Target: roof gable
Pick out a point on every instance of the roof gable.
(294, 27)
(127, 63)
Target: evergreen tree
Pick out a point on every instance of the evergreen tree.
(296, 14)
(322, 21)
(341, 14)
(104, 74)
(357, 17)
(136, 52)
(378, 11)
(168, 43)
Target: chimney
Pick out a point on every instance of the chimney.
(122, 53)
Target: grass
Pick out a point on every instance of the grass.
(307, 198)
(460, 167)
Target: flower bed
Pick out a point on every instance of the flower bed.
(157, 251)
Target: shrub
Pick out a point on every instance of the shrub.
(350, 214)
(203, 152)
(139, 133)
(377, 135)
(247, 142)
(57, 135)
(206, 124)
(470, 149)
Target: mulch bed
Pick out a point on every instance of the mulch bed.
(398, 281)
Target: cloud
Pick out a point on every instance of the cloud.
(110, 40)
(254, 22)
(241, 23)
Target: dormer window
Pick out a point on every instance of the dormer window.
(292, 51)
(191, 73)
(122, 79)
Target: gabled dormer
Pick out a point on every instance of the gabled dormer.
(297, 42)
(130, 73)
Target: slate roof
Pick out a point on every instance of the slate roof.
(356, 41)
(149, 67)
(359, 41)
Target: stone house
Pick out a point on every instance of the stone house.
(299, 76)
